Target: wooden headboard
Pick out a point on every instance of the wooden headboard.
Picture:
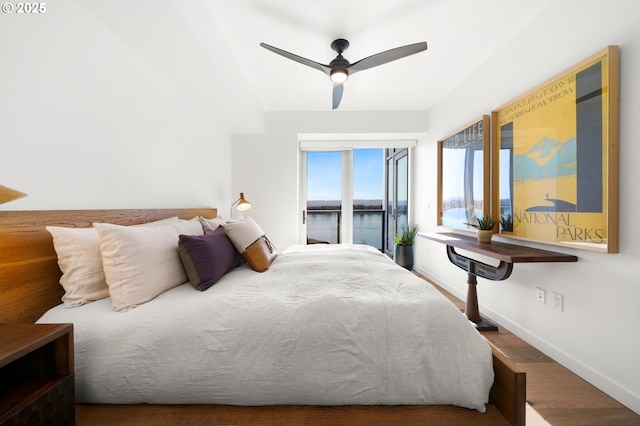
(29, 273)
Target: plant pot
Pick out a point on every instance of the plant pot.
(484, 235)
(403, 256)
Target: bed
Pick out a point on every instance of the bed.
(319, 337)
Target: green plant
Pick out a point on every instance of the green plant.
(406, 235)
(485, 223)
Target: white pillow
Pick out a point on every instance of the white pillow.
(80, 261)
(142, 262)
(210, 225)
(243, 233)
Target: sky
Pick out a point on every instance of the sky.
(324, 176)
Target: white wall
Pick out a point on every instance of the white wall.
(596, 335)
(265, 166)
(97, 116)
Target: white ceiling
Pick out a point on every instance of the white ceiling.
(461, 35)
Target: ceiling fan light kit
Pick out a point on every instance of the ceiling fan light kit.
(339, 69)
(339, 76)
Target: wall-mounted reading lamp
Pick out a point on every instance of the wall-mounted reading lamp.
(7, 194)
(241, 204)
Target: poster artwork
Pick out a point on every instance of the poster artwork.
(552, 142)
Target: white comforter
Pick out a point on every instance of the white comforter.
(325, 325)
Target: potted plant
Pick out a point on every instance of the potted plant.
(485, 226)
(403, 248)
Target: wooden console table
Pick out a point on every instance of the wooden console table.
(507, 254)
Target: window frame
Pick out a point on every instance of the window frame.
(347, 147)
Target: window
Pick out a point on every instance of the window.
(345, 193)
(368, 196)
(324, 196)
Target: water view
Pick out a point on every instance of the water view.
(325, 226)
(324, 221)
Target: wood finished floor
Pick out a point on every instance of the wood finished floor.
(559, 396)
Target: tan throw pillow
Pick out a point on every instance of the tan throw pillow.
(80, 261)
(142, 262)
(260, 254)
(254, 246)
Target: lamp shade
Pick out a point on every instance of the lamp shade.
(243, 205)
(7, 194)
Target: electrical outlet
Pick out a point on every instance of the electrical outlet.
(542, 295)
(558, 301)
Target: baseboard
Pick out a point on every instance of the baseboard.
(618, 392)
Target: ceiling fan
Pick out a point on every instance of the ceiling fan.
(340, 69)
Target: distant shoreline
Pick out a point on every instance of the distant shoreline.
(372, 204)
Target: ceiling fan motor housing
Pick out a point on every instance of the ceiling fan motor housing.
(339, 66)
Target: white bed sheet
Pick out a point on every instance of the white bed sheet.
(325, 325)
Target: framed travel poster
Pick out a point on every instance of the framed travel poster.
(463, 175)
(555, 158)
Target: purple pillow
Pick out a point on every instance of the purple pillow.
(206, 258)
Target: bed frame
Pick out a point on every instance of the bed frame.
(29, 286)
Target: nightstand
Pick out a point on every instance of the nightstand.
(37, 384)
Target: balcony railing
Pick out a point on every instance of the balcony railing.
(368, 226)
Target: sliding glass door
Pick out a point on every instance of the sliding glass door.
(397, 195)
(323, 214)
(354, 195)
(368, 196)
(344, 196)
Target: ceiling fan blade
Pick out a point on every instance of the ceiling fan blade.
(304, 61)
(387, 56)
(338, 88)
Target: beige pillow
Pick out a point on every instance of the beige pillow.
(210, 225)
(142, 262)
(251, 242)
(80, 261)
